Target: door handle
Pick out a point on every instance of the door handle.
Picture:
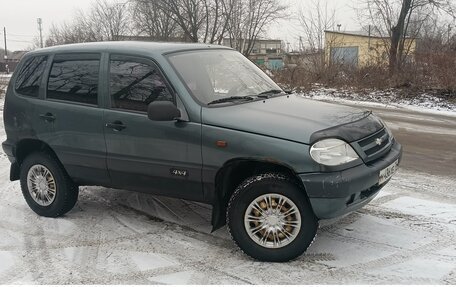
(116, 126)
(48, 117)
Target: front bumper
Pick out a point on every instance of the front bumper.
(337, 193)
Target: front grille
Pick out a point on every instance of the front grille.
(375, 145)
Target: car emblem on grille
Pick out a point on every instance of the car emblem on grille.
(378, 141)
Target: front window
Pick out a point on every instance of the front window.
(212, 75)
(134, 84)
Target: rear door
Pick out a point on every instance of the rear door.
(69, 119)
(145, 155)
(21, 120)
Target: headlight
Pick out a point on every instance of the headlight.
(387, 129)
(332, 152)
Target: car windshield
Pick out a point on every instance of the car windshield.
(218, 76)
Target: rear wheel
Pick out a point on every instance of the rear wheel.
(46, 187)
(270, 219)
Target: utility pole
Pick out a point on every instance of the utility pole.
(6, 51)
(4, 37)
(40, 22)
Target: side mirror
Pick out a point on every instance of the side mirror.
(163, 111)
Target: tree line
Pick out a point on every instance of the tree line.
(206, 21)
(244, 21)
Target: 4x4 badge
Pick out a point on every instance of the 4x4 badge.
(178, 172)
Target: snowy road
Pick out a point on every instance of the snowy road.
(406, 235)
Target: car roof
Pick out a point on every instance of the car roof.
(127, 47)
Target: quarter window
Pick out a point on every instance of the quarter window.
(135, 85)
(74, 80)
(29, 78)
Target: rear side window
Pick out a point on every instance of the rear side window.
(29, 79)
(74, 78)
(134, 85)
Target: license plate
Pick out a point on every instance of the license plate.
(388, 172)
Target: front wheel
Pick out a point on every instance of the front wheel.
(270, 218)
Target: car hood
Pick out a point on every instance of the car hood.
(288, 117)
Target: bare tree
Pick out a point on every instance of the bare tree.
(108, 20)
(200, 20)
(315, 20)
(437, 36)
(105, 21)
(188, 14)
(397, 18)
(217, 17)
(249, 20)
(151, 20)
(68, 33)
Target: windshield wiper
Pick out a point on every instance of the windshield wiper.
(267, 94)
(231, 99)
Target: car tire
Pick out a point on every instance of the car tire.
(46, 187)
(271, 205)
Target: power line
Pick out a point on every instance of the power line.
(23, 36)
(20, 41)
(4, 37)
(18, 38)
(19, 35)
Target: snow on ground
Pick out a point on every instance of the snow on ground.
(5, 76)
(4, 79)
(406, 235)
(386, 99)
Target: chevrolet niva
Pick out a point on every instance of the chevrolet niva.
(197, 122)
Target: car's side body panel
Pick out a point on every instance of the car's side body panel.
(156, 157)
(76, 137)
(242, 145)
(73, 131)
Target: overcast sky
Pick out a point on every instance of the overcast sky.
(19, 18)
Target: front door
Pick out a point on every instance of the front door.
(144, 155)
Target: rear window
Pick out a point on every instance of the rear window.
(74, 78)
(29, 79)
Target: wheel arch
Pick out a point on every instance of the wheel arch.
(25, 147)
(233, 173)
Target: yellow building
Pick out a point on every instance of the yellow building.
(360, 49)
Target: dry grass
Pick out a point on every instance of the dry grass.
(431, 73)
